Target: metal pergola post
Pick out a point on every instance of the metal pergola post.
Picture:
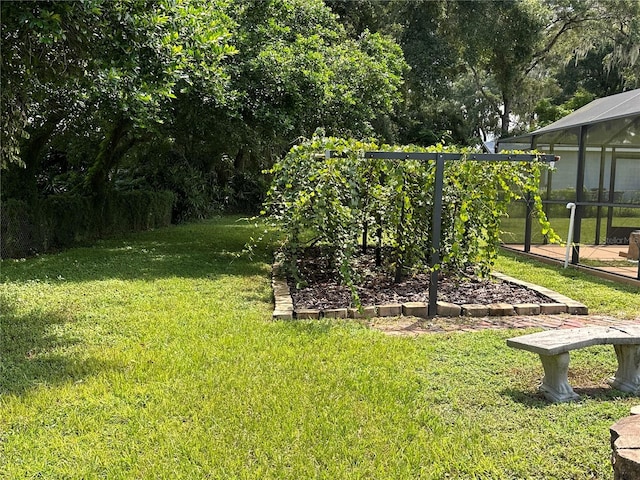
(527, 223)
(436, 219)
(436, 235)
(577, 226)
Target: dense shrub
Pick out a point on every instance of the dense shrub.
(64, 220)
(60, 221)
(138, 210)
(245, 193)
(17, 230)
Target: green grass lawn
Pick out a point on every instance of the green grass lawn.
(155, 356)
(601, 296)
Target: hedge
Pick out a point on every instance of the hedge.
(61, 221)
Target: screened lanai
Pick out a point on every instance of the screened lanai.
(598, 171)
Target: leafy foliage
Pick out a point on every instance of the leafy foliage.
(332, 201)
(195, 96)
(61, 221)
(478, 69)
(90, 89)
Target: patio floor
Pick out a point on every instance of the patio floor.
(604, 253)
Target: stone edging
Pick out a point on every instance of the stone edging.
(283, 309)
(572, 307)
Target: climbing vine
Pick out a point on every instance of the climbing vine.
(340, 203)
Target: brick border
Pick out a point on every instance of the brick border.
(283, 308)
(283, 304)
(562, 303)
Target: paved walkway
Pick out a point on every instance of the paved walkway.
(416, 326)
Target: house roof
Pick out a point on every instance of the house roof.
(621, 105)
(626, 104)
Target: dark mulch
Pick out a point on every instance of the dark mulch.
(323, 290)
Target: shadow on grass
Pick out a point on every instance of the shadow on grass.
(573, 274)
(36, 348)
(537, 400)
(33, 354)
(200, 250)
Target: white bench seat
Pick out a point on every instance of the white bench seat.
(553, 346)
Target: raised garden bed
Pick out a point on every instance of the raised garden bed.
(324, 296)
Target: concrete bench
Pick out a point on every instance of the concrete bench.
(553, 346)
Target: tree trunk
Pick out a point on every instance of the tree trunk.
(506, 114)
(98, 174)
(21, 183)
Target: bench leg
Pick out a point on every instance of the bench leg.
(627, 376)
(555, 385)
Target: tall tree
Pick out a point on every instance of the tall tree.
(44, 47)
(114, 65)
(513, 49)
(215, 87)
(500, 44)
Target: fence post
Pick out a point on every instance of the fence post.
(582, 155)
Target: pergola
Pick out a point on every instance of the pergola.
(599, 170)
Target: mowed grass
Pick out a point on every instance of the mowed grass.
(155, 356)
(602, 297)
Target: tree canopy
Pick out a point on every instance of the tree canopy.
(199, 96)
